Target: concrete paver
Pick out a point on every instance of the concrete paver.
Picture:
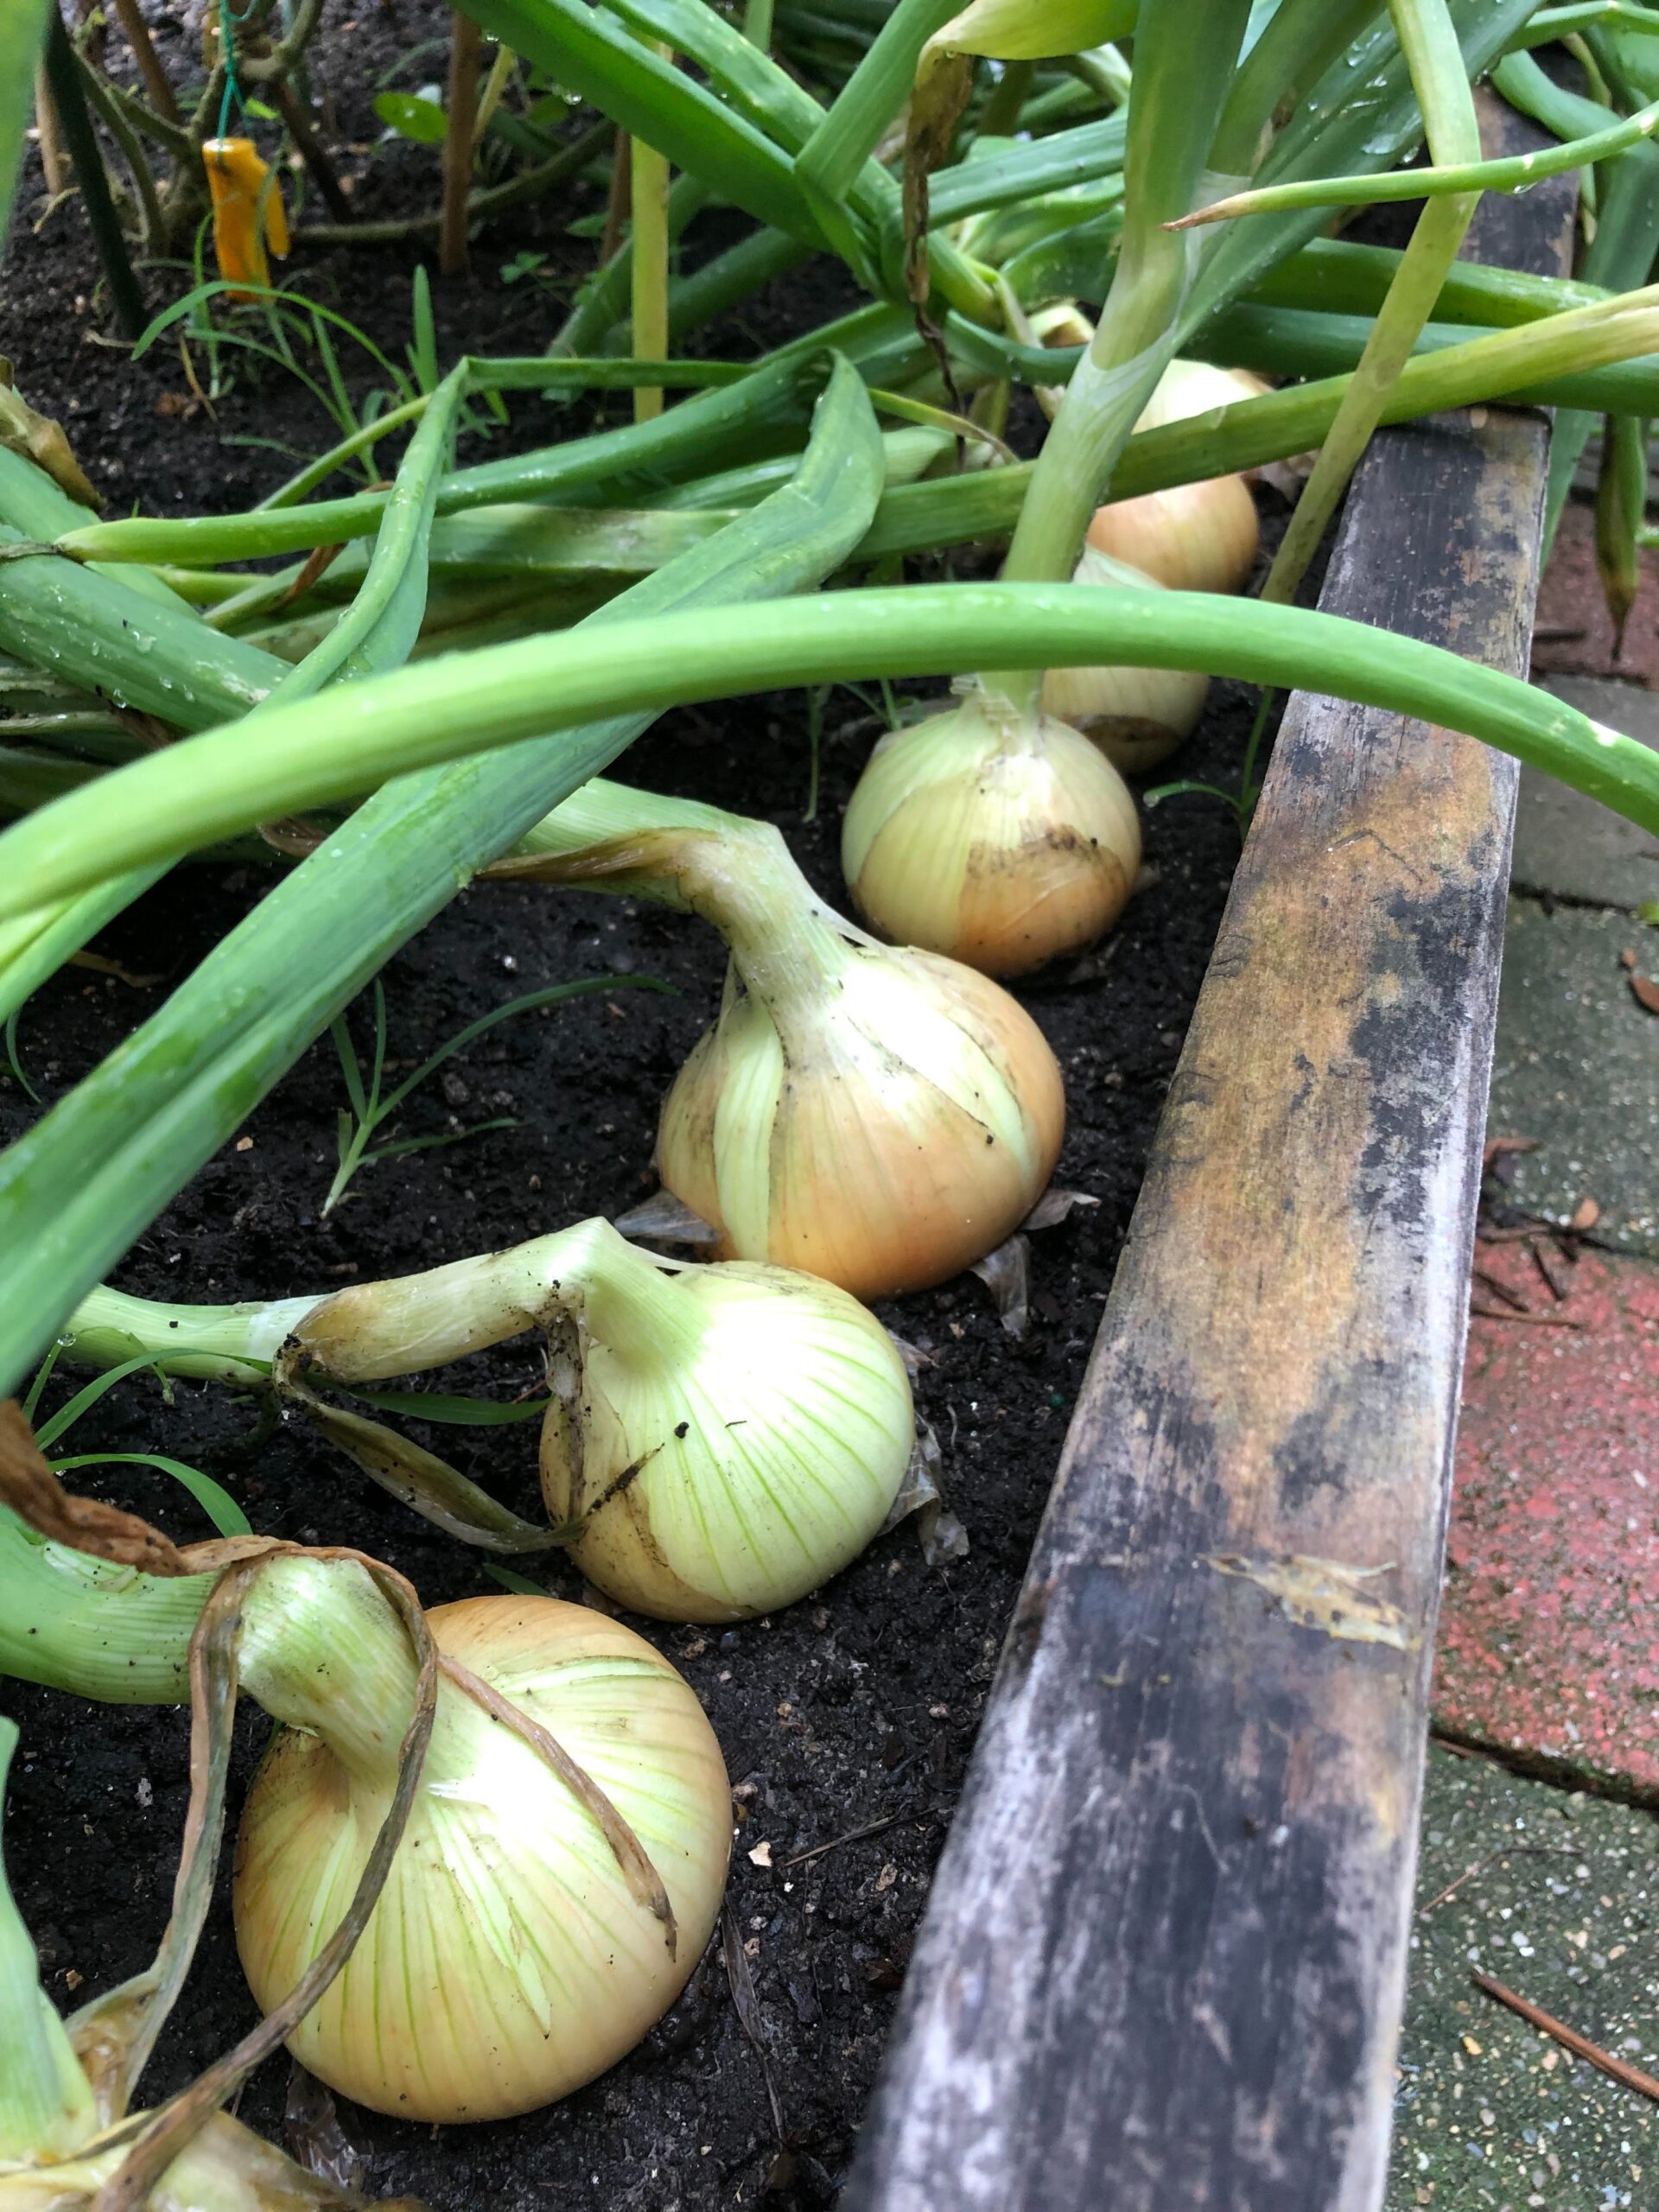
(1491, 2116)
(1573, 847)
(1577, 1068)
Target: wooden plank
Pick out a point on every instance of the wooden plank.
(1163, 1962)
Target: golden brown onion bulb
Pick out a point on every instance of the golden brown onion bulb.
(1191, 538)
(996, 838)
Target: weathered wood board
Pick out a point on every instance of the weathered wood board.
(1163, 1965)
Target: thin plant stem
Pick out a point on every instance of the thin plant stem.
(458, 144)
(1508, 173)
(1000, 116)
(1430, 42)
(495, 86)
(115, 121)
(173, 138)
(488, 200)
(54, 161)
(1184, 62)
(63, 76)
(318, 167)
(618, 200)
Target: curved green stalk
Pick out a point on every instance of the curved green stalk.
(695, 436)
(84, 1624)
(1280, 341)
(211, 786)
(1621, 252)
(1339, 277)
(1550, 23)
(21, 27)
(1302, 41)
(1510, 173)
(1363, 116)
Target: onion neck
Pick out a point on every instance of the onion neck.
(229, 1344)
(789, 948)
(322, 1649)
(628, 1302)
(90, 1627)
(1109, 391)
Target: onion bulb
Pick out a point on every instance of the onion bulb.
(1198, 536)
(511, 1956)
(875, 1114)
(1136, 715)
(1002, 839)
(1191, 537)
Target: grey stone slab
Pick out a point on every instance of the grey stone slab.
(1577, 1068)
(1558, 1898)
(1572, 846)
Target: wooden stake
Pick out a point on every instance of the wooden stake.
(54, 161)
(156, 84)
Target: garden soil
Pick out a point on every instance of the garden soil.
(847, 1722)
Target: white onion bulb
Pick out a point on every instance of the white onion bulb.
(507, 1960)
(718, 1439)
(1136, 715)
(999, 839)
(734, 1436)
(881, 1117)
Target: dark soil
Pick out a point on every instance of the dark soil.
(852, 1710)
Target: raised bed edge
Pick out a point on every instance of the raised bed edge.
(1163, 1964)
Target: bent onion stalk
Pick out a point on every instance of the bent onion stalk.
(718, 1439)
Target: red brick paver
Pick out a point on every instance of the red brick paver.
(1549, 1628)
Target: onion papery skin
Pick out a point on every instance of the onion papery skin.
(1137, 717)
(1199, 536)
(999, 840)
(753, 1467)
(1189, 388)
(886, 1140)
(505, 1963)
